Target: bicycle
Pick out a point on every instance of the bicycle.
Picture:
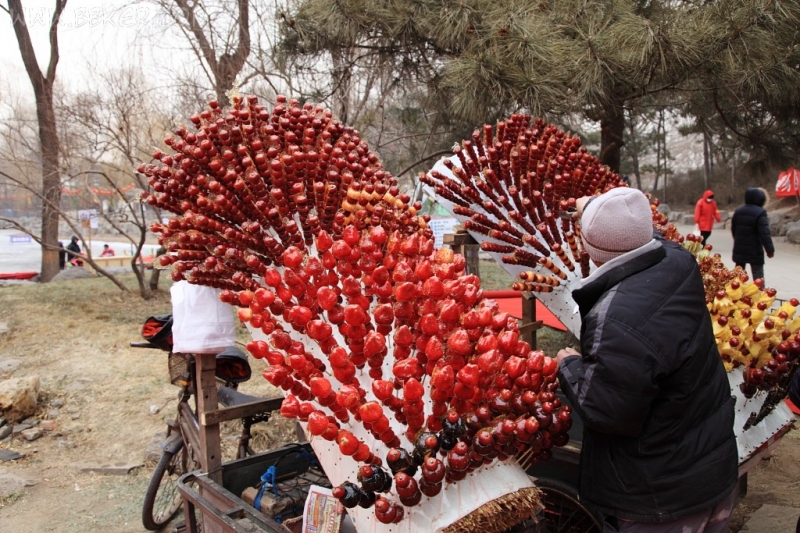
(181, 447)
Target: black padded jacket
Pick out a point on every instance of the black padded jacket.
(750, 228)
(658, 415)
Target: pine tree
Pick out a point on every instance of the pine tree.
(482, 58)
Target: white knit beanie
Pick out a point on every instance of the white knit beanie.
(616, 222)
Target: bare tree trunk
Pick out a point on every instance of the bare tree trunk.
(342, 79)
(227, 66)
(612, 131)
(137, 266)
(662, 137)
(156, 274)
(658, 154)
(48, 134)
(633, 148)
(51, 183)
(706, 158)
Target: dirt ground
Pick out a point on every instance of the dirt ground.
(74, 336)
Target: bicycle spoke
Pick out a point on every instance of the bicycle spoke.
(169, 499)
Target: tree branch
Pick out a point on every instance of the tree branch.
(197, 31)
(51, 66)
(426, 158)
(25, 44)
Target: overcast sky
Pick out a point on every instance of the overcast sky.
(91, 31)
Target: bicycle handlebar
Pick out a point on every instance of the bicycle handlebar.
(144, 344)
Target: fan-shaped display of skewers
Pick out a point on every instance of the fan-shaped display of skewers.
(750, 333)
(384, 347)
(516, 184)
(513, 187)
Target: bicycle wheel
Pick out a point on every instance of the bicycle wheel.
(162, 499)
(563, 513)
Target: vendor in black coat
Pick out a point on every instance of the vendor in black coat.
(659, 452)
(751, 236)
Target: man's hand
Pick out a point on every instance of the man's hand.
(580, 205)
(771, 255)
(566, 352)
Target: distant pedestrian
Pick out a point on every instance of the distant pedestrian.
(705, 213)
(107, 251)
(74, 247)
(751, 236)
(62, 256)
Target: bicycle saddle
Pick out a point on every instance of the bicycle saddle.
(232, 365)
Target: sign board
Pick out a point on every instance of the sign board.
(440, 227)
(88, 218)
(788, 183)
(17, 239)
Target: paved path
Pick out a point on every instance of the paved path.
(782, 272)
(17, 255)
(772, 519)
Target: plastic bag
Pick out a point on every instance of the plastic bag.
(157, 330)
(201, 323)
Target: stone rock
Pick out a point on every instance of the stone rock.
(779, 224)
(69, 274)
(31, 421)
(8, 365)
(4, 327)
(5, 431)
(18, 397)
(10, 455)
(19, 428)
(793, 233)
(75, 416)
(65, 444)
(49, 425)
(32, 434)
(76, 386)
(118, 469)
(153, 451)
(53, 413)
(10, 483)
(57, 403)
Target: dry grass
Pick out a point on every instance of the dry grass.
(75, 336)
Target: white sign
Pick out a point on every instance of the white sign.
(441, 227)
(90, 215)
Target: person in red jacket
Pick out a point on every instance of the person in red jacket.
(705, 212)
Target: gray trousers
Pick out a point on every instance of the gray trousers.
(756, 269)
(714, 520)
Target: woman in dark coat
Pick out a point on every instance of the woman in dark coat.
(751, 236)
(74, 247)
